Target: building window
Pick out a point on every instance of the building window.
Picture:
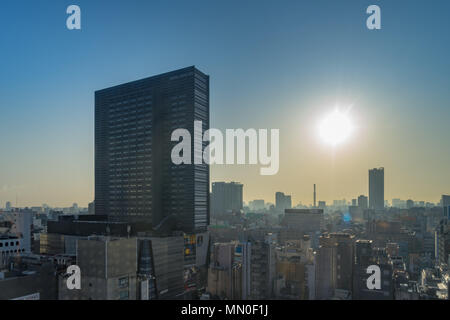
(123, 295)
(123, 282)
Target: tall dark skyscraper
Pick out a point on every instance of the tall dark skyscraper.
(376, 188)
(135, 179)
(226, 197)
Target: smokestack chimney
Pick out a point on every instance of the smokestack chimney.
(314, 195)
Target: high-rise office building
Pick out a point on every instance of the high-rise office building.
(23, 222)
(334, 268)
(376, 188)
(363, 202)
(282, 201)
(363, 259)
(220, 273)
(257, 205)
(322, 204)
(135, 179)
(262, 269)
(409, 204)
(398, 203)
(442, 242)
(242, 258)
(226, 197)
(326, 266)
(304, 220)
(446, 206)
(366, 255)
(345, 260)
(160, 267)
(109, 268)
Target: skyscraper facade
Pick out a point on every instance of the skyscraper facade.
(446, 206)
(226, 197)
(362, 202)
(376, 188)
(326, 266)
(135, 179)
(282, 201)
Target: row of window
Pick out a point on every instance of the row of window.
(131, 164)
(120, 100)
(13, 251)
(134, 109)
(133, 133)
(11, 243)
(131, 96)
(180, 76)
(128, 144)
(129, 123)
(126, 172)
(129, 129)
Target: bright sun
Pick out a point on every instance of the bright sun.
(335, 128)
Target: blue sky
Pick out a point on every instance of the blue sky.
(275, 64)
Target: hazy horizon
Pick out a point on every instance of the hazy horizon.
(271, 65)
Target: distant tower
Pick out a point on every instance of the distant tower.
(376, 188)
(314, 195)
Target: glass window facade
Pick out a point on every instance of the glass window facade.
(135, 178)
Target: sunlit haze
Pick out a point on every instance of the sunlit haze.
(285, 69)
(335, 128)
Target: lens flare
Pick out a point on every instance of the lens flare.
(335, 128)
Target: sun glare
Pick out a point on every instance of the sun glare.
(335, 128)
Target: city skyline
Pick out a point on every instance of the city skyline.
(399, 106)
(242, 153)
